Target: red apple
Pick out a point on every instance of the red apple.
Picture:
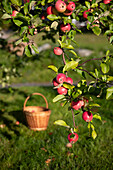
(70, 6)
(68, 13)
(84, 13)
(14, 13)
(62, 90)
(87, 116)
(55, 82)
(43, 17)
(106, 1)
(60, 6)
(73, 137)
(65, 28)
(17, 123)
(60, 78)
(57, 51)
(69, 80)
(77, 105)
(25, 1)
(49, 10)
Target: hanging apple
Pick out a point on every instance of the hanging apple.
(60, 78)
(70, 6)
(60, 6)
(57, 51)
(55, 82)
(87, 116)
(73, 137)
(69, 80)
(62, 90)
(77, 105)
(65, 28)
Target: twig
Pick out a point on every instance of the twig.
(88, 73)
(90, 60)
(73, 119)
(63, 59)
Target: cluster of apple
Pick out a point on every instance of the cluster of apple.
(85, 15)
(58, 81)
(87, 116)
(73, 137)
(65, 8)
(60, 6)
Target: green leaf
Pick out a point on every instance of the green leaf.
(89, 125)
(111, 39)
(94, 134)
(52, 17)
(107, 52)
(92, 127)
(23, 30)
(109, 94)
(73, 52)
(94, 105)
(52, 67)
(96, 30)
(96, 116)
(28, 51)
(17, 22)
(18, 42)
(17, 2)
(68, 46)
(70, 65)
(110, 78)
(6, 16)
(7, 6)
(54, 25)
(35, 48)
(68, 86)
(61, 123)
(26, 8)
(87, 4)
(104, 68)
(75, 130)
(58, 98)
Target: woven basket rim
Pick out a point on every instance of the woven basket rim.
(35, 107)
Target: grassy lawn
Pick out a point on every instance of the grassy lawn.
(22, 148)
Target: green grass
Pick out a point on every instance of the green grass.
(21, 148)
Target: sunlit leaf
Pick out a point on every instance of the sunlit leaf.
(70, 65)
(68, 86)
(94, 134)
(96, 116)
(61, 123)
(58, 98)
(52, 67)
(104, 67)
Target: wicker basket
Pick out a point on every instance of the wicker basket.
(37, 117)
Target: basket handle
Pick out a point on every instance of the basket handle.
(36, 94)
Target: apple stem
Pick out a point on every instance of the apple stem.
(63, 58)
(73, 119)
